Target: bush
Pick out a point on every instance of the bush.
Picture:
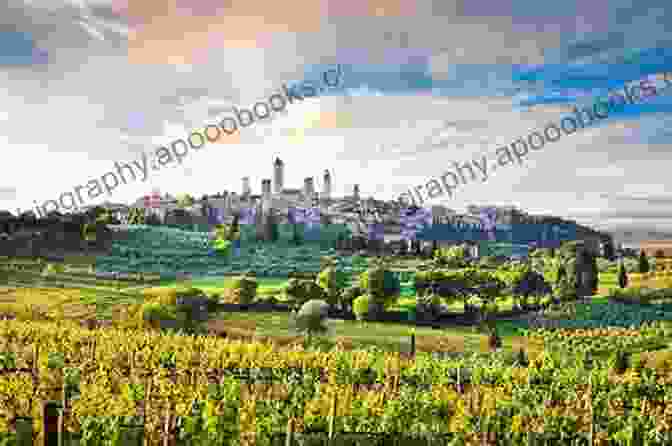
(310, 318)
(154, 313)
(360, 306)
(428, 307)
(637, 295)
(294, 292)
(348, 295)
(453, 257)
(163, 297)
(54, 268)
(244, 290)
(298, 292)
(619, 362)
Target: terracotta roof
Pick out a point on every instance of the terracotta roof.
(655, 242)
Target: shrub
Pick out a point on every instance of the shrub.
(489, 262)
(294, 291)
(164, 297)
(53, 268)
(619, 362)
(311, 317)
(604, 265)
(313, 291)
(154, 313)
(244, 290)
(298, 292)
(360, 306)
(562, 273)
(348, 295)
(521, 358)
(453, 257)
(428, 307)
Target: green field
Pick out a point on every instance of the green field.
(104, 294)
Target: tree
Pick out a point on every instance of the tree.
(234, 230)
(381, 286)
(622, 276)
(595, 274)
(527, 282)
(562, 273)
(311, 318)
(608, 250)
(329, 281)
(644, 266)
(453, 257)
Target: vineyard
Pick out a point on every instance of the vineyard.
(113, 384)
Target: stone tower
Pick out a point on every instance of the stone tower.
(278, 175)
(308, 188)
(246, 187)
(355, 192)
(263, 209)
(326, 186)
(266, 195)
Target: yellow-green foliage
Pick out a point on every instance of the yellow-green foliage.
(428, 276)
(25, 312)
(328, 282)
(360, 306)
(166, 296)
(54, 268)
(364, 280)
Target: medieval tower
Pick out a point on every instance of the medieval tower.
(247, 191)
(326, 185)
(278, 175)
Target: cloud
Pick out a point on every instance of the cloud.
(8, 193)
(650, 200)
(585, 48)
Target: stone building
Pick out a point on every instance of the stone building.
(655, 248)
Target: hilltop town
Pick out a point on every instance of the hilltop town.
(272, 206)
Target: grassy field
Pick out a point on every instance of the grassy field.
(85, 302)
(353, 334)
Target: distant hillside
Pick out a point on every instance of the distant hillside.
(633, 235)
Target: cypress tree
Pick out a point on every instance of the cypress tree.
(622, 276)
(644, 266)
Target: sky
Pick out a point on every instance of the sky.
(87, 83)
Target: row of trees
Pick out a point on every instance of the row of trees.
(478, 287)
(643, 267)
